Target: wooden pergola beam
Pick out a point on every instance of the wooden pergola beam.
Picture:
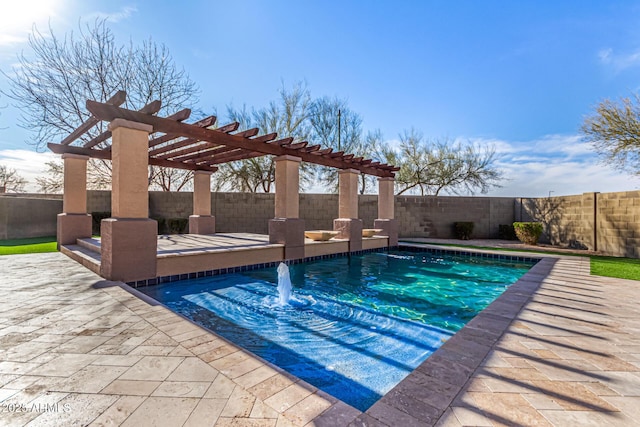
(284, 141)
(206, 122)
(204, 154)
(185, 151)
(231, 127)
(160, 124)
(116, 100)
(247, 133)
(106, 155)
(150, 108)
(232, 155)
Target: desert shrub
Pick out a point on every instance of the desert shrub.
(528, 232)
(96, 220)
(506, 232)
(463, 230)
(177, 225)
(172, 225)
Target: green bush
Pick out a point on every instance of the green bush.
(177, 225)
(172, 225)
(96, 220)
(165, 225)
(528, 232)
(463, 230)
(506, 232)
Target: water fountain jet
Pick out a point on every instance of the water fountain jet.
(284, 284)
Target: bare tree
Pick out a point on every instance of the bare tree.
(53, 180)
(55, 78)
(11, 181)
(170, 179)
(614, 131)
(336, 126)
(431, 167)
(288, 117)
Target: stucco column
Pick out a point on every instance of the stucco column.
(129, 237)
(287, 228)
(287, 187)
(348, 193)
(386, 210)
(202, 222)
(74, 222)
(347, 224)
(386, 199)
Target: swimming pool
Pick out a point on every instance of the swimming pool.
(355, 326)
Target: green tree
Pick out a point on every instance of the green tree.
(614, 131)
(56, 76)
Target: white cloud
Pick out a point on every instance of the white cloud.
(28, 164)
(562, 164)
(124, 13)
(619, 61)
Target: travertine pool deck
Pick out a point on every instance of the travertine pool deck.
(560, 347)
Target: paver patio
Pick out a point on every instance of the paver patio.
(560, 347)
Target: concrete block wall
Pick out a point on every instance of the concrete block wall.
(618, 223)
(242, 212)
(605, 222)
(22, 217)
(250, 212)
(564, 219)
(98, 201)
(432, 216)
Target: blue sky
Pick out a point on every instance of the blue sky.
(520, 75)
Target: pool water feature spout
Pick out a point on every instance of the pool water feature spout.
(284, 284)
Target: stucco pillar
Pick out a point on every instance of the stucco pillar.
(348, 224)
(129, 237)
(386, 210)
(202, 222)
(287, 228)
(74, 222)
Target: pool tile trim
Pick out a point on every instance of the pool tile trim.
(408, 247)
(250, 267)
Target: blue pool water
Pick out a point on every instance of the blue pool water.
(355, 326)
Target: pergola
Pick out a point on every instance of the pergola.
(136, 139)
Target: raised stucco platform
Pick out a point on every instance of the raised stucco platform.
(184, 254)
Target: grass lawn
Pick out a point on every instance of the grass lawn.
(28, 246)
(620, 268)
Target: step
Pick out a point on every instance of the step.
(84, 256)
(89, 243)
